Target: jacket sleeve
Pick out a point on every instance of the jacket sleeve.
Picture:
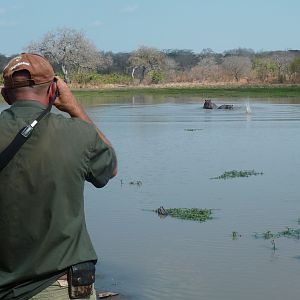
(102, 162)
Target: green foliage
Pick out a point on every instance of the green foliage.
(1, 80)
(288, 233)
(95, 78)
(194, 214)
(186, 59)
(294, 68)
(265, 68)
(156, 76)
(235, 173)
(295, 65)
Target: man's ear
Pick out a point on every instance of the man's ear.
(52, 90)
(5, 96)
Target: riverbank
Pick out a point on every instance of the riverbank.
(189, 89)
(204, 91)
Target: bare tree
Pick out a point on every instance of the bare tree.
(146, 59)
(69, 49)
(207, 69)
(170, 67)
(282, 61)
(236, 66)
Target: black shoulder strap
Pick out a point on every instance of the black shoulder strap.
(22, 136)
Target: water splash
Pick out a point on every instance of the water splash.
(248, 108)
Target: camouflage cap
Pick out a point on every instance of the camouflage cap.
(38, 67)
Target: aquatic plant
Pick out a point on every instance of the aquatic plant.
(273, 244)
(236, 173)
(137, 182)
(194, 214)
(192, 129)
(291, 232)
(288, 232)
(235, 235)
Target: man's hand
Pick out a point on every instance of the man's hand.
(66, 101)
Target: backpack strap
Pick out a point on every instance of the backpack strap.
(22, 136)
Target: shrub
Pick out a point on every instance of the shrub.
(156, 76)
(95, 78)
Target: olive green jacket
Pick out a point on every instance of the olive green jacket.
(42, 222)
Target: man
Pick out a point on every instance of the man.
(42, 224)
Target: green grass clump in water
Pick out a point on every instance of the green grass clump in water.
(288, 233)
(236, 173)
(194, 214)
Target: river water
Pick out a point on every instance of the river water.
(174, 147)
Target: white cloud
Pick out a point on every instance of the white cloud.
(129, 9)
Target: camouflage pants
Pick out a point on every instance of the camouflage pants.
(58, 291)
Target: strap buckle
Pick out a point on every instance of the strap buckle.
(28, 129)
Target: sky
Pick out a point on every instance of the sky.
(125, 25)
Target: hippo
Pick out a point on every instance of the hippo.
(210, 105)
(226, 106)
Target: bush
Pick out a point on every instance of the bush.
(156, 76)
(95, 78)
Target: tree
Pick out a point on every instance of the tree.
(145, 60)
(240, 52)
(294, 69)
(4, 60)
(69, 49)
(236, 66)
(119, 62)
(264, 68)
(282, 61)
(207, 69)
(185, 59)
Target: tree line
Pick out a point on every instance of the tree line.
(77, 59)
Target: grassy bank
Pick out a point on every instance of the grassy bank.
(230, 91)
(204, 92)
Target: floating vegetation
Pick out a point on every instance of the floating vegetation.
(137, 182)
(235, 235)
(192, 129)
(273, 244)
(236, 173)
(194, 214)
(288, 232)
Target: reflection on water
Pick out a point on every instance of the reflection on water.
(145, 257)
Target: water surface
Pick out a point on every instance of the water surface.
(145, 257)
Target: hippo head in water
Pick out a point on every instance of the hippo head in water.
(209, 105)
